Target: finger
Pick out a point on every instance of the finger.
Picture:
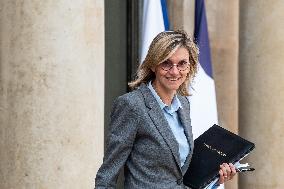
(225, 174)
(229, 171)
(228, 168)
(233, 169)
(221, 179)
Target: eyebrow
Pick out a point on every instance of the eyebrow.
(185, 60)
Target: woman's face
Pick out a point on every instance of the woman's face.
(167, 80)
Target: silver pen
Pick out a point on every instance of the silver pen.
(244, 169)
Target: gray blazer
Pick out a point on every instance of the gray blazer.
(141, 141)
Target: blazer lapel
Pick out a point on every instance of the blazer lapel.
(160, 122)
(184, 115)
(187, 125)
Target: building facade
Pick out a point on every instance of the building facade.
(63, 62)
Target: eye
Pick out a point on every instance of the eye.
(182, 63)
(167, 63)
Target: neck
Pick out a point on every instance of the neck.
(166, 96)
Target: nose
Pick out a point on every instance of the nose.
(174, 70)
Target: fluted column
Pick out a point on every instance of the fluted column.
(181, 15)
(51, 93)
(223, 27)
(262, 90)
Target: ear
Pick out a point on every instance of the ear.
(153, 69)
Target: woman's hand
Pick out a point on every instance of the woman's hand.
(227, 172)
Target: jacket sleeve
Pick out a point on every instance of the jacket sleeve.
(123, 127)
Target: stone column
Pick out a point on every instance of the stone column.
(262, 90)
(223, 28)
(181, 15)
(51, 93)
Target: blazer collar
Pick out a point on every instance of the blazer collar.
(150, 100)
(162, 125)
(175, 104)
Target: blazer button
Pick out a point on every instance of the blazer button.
(179, 181)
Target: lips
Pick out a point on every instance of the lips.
(173, 79)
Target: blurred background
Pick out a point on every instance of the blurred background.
(62, 63)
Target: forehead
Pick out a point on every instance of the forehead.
(180, 54)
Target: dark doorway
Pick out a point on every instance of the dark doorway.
(121, 52)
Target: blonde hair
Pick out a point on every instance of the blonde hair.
(162, 48)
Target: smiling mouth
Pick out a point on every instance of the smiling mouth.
(173, 79)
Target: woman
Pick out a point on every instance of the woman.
(150, 130)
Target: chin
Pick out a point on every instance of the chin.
(173, 88)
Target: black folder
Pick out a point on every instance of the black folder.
(214, 147)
